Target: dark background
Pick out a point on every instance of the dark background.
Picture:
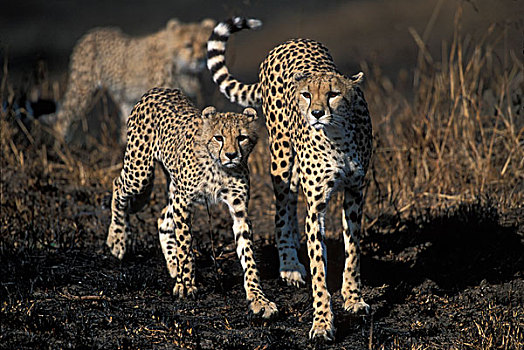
(375, 31)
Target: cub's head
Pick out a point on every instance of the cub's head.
(229, 137)
(189, 43)
(325, 99)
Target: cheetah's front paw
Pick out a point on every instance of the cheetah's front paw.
(117, 246)
(294, 276)
(263, 308)
(357, 308)
(322, 330)
(184, 290)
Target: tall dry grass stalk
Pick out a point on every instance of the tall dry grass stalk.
(461, 138)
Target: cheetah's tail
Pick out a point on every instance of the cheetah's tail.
(236, 91)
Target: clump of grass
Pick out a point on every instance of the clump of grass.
(461, 136)
(496, 328)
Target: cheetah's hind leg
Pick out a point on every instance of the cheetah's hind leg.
(169, 246)
(139, 201)
(295, 272)
(126, 194)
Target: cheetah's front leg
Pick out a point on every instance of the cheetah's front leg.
(351, 285)
(258, 303)
(185, 261)
(323, 320)
(120, 227)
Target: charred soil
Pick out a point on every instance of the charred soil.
(452, 279)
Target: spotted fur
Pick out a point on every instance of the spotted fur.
(127, 66)
(321, 140)
(204, 155)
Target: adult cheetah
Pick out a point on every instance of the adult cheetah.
(204, 155)
(128, 66)
(321, 139)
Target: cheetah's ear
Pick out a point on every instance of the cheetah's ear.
(357, 78)
(250, 113)
(299, 76)
(208, 112)
(208, 23)
(172, 23)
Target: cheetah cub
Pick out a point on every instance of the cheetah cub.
(204, 155)
(126, 66)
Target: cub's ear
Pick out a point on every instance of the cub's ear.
(208, 23)
(208, 112)
(250, 113)
(357, 78)
(172, 23)
(299, 76)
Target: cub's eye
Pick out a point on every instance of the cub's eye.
(242, 138)
(333, 94)
(218, 138)
(306, 95)
(188, 45)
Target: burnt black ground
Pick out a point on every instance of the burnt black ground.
(434, 280)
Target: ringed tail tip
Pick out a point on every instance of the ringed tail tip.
(251, 23)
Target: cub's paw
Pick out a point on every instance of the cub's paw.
(262, 308)
(359, 308)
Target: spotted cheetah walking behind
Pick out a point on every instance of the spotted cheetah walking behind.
(204, 155)
(127, 66)
(321, 139)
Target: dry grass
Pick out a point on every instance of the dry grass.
(459, 139)
(497, 328)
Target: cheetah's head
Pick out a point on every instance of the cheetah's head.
(229, 137)
(325, 99)
(189, 43)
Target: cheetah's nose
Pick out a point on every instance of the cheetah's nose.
(317, 113)
(232, 155)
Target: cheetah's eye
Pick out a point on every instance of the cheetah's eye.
(306, 95)
(332, 94)
(188, 45)
(218, 138)
(242, 138)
